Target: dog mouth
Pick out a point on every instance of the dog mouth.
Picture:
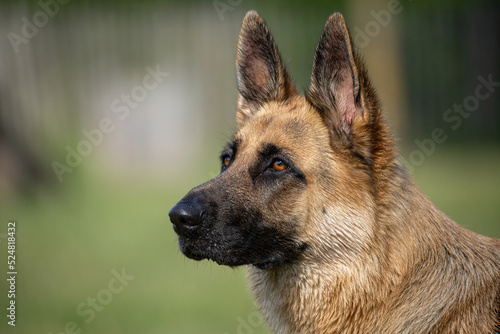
(232, 238)
(221, 259)
(199, 250)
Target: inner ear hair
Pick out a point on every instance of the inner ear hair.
(261, 75)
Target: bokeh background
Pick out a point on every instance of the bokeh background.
(94, 149)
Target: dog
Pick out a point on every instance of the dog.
(313, 199)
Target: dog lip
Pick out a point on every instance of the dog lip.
(184, 229)
(176, 229)
(193, 255)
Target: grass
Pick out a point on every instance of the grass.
(71, 239)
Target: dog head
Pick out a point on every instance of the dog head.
(297, 177)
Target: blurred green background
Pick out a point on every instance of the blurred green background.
(95, 149)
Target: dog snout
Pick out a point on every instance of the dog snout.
(186, 216)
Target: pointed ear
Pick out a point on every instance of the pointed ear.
(261, 75)
(337, 81)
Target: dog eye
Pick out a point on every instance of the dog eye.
(226, 161)
(279, 165)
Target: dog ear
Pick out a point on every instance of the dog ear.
(261, 75)
(340, 89)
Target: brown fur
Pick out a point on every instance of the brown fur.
(383, 258)
(372, 254)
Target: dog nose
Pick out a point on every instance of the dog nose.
(185, 216)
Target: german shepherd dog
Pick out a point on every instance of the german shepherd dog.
(314, 201)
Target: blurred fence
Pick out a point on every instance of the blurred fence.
(154, 76)
(446, 52)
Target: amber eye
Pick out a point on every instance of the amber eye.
(279, 165)
(226, 161)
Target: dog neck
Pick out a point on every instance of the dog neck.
(307, 298)
(329, 288)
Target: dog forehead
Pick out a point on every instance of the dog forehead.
(293, 127)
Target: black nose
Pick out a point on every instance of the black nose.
(186, 216)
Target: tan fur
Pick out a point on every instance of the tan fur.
(381, 257)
